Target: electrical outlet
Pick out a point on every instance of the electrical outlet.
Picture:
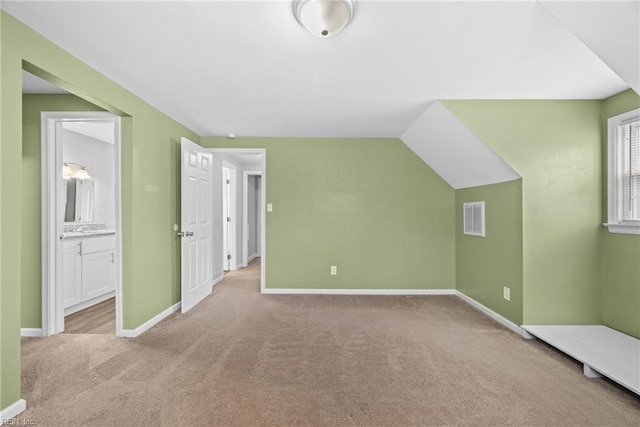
(506, 293)
(334, 270)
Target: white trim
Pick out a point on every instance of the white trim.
(232, 205)
(88, 303)
(613, 223)
(296, 291)
(263, 204)
(132, 333)
(623, 228)
(117, 147)
(217, 280)
(492, 314)
(12, 410)
(30, 332)
(51, 185)
(251, 258)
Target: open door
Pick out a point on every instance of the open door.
(196, 224)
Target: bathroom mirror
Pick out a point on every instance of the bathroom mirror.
(79, 200)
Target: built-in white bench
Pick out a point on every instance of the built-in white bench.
(603, 351)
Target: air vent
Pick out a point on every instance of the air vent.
(474, 219)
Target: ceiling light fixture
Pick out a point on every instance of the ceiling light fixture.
(80, 173)
(323, 18)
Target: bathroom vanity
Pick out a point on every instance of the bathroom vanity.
(88, 265)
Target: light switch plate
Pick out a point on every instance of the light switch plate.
(269, 207)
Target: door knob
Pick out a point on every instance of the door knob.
(185, 234)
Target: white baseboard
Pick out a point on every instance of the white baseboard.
(132, 333)
(31, 332)
(217, 280)
(251, 258)
(295, 291)
(12, 410)
(492, 314)
(89, 303)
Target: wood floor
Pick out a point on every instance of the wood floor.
(98, 319)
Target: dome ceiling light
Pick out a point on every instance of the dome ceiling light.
(323, 18)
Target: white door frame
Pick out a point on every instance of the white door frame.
(263, 205)
(52, 219)
(231, 205)
(245, 214)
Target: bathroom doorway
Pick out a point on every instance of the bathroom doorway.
(81, 222)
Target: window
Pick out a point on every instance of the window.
(624, 173)
(474, 219)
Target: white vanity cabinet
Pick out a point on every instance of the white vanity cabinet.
(88, 273)
(71, 272)
(97, 267)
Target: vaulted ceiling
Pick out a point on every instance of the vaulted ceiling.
(249, 68)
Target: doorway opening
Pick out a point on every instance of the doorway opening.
(211, 204)
(243, 177)
(251, 208)
(81, 223)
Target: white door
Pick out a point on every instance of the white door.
(196, 222)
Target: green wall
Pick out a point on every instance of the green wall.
(369, 206)
(150, 190)
(555, 147)
(32, 106)
(485, 264)
(621, 253)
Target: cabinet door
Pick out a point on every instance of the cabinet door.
(71, 273)
(97, 274)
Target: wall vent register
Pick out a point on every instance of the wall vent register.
(474, 219)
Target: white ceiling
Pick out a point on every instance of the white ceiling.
(610, 29)
(249, 68)
(104, 132)
(248, 159)
(455, 153)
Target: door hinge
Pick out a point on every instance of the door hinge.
(229, 256)
(228, 181)
(228, 219)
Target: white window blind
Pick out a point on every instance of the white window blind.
(624, 173)
(474, 219)
(628, 206)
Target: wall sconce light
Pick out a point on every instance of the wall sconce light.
(67, 173)
(323, 18)
(80, 173)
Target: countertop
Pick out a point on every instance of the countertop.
(88, 234)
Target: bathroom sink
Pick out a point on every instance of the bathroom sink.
(90, 232)
(72, 235)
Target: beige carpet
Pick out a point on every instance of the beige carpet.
(97, 319)
(241, 358)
